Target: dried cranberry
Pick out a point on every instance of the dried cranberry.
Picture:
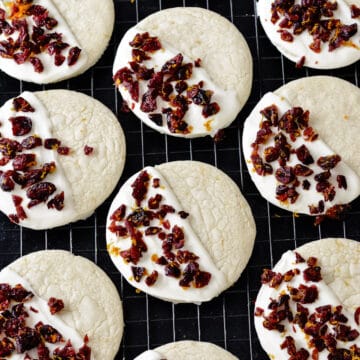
(355, 11)
(31, 142)
(210, 109)
(151, 279)
(328, 162)
(154, 202)
(306, 185)
(313, 274)
(6, 183)
(119, 213)
(52, 143)
(124, 76)
(73, 55)
(67, 352)
(173, 269)
(304, 156)
(341, 180)
(202, 279)
(6, 347)
(300, 62)
(37, 64)
(20, 104)
(40, 191)
(139, 55)
(271, 114)
(63, 150)
(23, 162)
(88, 150)
(21, 125)
(301, 170)
(286, 36)
(285, 174)
(323, 176)
(26, 339)
(48, 333)
(148, 102)
(55, 305)
(140, 187)
(304, 294)
(271, 154)
(183, 214)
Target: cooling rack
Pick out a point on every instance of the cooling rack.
(226, 321)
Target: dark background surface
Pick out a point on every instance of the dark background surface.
(227, 320)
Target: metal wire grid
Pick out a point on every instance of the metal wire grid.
(227, 320)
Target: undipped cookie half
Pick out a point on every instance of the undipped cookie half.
(90, 309)
(181, 231)
(187, 350)
(318, 34)
(180, 82)
(46, 41)
(308, 304)
(62, 153)
(300, 146)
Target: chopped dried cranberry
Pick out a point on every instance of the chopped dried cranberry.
(37, 64)
(289, 345)
(154, 202)
(59, 59)
(304, 156)
(304, 294)
(152, 230)
(6, 347)
(328, 162)
(138, 272)
(271, 154)
(40, 191)
(341, 180)
(357, 315)
(306, 185)
(301, 170)
(161, 261)
(63, 150)
(355, 11)
(20, 104)
(258, 311)
(300, 62)
(140, 187)
(21, 125)
(119, 213)
(156, 118)
(148, 102)
(345, 333)
(52, 143)
(88, 150)
(23, 162)
(323, 176)
(48, 333)
(139, 56)
(210, 109)
(183, 214)
(184, 256)
(55, 305)
(26, 339)
(67, 352)
(286, 36)
(73, 55)
(173, 269)
(285, 174)
(125, 76)
(151, 279)
(313, 274)
(31, 142)
(6, 183)
(139, 217)
(202, 279)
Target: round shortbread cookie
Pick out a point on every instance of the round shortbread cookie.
(90, 25)
(317, 283)
(320, 35)
(220, 219)
(77, 281)
(334, 105)
(340, 266)
(313, 134)
(224, 56)
(188, 349)
(82, 124)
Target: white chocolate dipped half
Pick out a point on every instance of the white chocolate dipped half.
(181, 83)
(52, 160)
(187, 349)
(47, 41)
(315, 286)
(170, 234)
(321, 35)
(292, 165)
(87, 316)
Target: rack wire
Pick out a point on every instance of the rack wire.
(227, 320)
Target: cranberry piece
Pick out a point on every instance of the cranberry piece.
(183, 214)
(88, 150)
(26, 339)
(271, 114)
(151, 279)
(173, 269)
(56, 47)
(119, 213)
(199, 96)
(63, 150)
(138, 272)
(57, 202)
(124, 76)
(59, 59)
(31, 142)
(300, 62)
(156, 118)
(73, 55)
(20, 104)
(301, 170)
(286, 36)
(50, 334)
(285, 174)
(21, 125)
(304, 294)
(321, 177)
(52, 144)
(43, 352)
(139, 55)
(37, 64)
(304, 156)
(210, 109)
(6, 183)
(355, 11)
(154, 202)
(289, 345)
(55, 305)
(313, 274)
(148, 102)
(328, 162)
(341, 180)
(67, 352)
(23, 162)
(140, 187)
(139, 217)
(6, 347)
(306, 185)
(156, 183)
(173, 64)
(271, 154)
(202, 279)
(152, 230)
(40, 191)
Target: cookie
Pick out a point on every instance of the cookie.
(317, 34)
(296, 145)
(57, 148)
(187, 349)
(46, 41)
(181, 231)
(308, 304)
(78, 309)
(181, 83)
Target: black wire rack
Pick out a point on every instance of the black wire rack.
(227, 320)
